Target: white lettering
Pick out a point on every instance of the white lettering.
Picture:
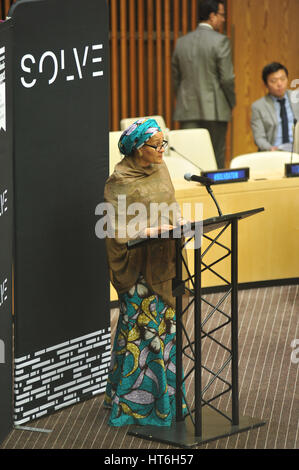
(28, 70)
(122, 219)
(2, 90)
(78, 61)
(55, 63)
(105, 227)
(115, 460)
(3, 202)
(295, 353)
(139, 222)
(158, 216)
(2, 352)
(60, 62)
(96, 47)
(62, 59)
(3, 292)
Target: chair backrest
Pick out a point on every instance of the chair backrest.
(114, 154)
(296, 138)
(264, 163)
(195, 145)
(178, 167)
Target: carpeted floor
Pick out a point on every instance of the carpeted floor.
(268, 385)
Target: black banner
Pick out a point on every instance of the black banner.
(6, 221)
(61, 164)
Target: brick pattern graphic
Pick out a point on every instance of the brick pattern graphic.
(61, 375)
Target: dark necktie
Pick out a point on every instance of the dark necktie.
(284, 121)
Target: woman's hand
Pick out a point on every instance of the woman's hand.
(154, 231)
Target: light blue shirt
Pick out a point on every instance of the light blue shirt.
(278, 140)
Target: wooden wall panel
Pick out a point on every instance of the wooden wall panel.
(167, 61)
(123, 60)
(4, 7)
(141, 59)
(159, 60)
(143, 34)
(114, 69)
(151, 62)
(153, 27)
(262, 32)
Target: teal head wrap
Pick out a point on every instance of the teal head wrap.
(137, 134)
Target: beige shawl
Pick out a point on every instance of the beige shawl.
(154, 259)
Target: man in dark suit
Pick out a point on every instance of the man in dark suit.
(274, 115)
(203, 77)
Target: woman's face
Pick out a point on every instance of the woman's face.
(150, 154)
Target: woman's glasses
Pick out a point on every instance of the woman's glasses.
(158, 148)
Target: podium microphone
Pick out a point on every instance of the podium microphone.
(181, 155)
(205, 181)
(199, 179)
(294, 127)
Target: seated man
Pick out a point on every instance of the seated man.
(273, 116)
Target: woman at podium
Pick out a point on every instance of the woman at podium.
(141, 382)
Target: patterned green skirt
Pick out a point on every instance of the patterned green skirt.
(142, 379)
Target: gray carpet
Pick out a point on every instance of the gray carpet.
(268, 385)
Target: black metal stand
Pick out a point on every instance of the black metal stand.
(205, 422)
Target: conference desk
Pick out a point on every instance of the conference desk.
(268, 241)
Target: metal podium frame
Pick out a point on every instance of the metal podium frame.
(205, 422)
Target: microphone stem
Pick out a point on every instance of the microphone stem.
(209, 189)
(181, 155)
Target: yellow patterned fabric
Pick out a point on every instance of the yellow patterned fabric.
(142, 379)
